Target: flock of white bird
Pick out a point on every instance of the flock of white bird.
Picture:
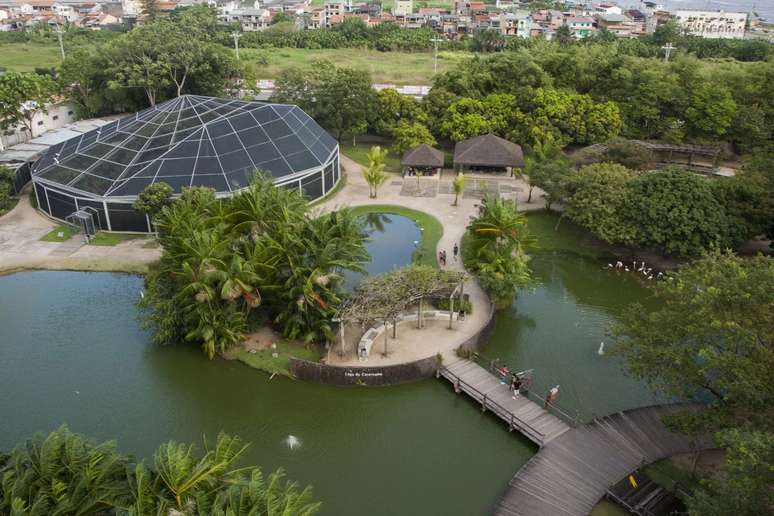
(646, 271)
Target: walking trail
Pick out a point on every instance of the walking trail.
(415, 344)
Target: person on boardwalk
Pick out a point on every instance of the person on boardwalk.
(515, 385)
(503, 374)
(444, 257)
(552, 396)
(440, 258)
(455, 251)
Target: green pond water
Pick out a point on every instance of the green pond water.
(72, 351)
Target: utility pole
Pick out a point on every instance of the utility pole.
(435, 41)
(236, 35)
(668, 51)
(58, 31)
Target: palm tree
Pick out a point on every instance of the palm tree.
(374, 174)
(62, 473)
(459, 186)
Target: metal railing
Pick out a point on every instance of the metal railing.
(494, 365)
(487, 403)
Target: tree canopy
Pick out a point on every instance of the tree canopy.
(67, 473)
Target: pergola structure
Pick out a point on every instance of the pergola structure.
(488, 153)
(422, 160)
(385, 297)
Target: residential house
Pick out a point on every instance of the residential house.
(618, 24)
(403, 7)
(581, 27)
(516, 24)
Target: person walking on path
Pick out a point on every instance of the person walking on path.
(455, 251)
(444, 257)
(552, 396)
(515, 385)
(440, 258)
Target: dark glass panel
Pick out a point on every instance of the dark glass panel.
(159, 141)
(292, 121)
(60, 205)
(42, 201)
(60, 174)
(289, 144)
(79, 162)
(264, 152)
(176, 167)
(132, 187)
(216, 181)
(312, 186)
(252, 136)
(302, 161)
(98, 150)
(205, 165)
(227, 144)
(99, 217)
(134, 142)
(124, 218)
(275, 167)
(123, 156)
(184, 150)
(219, 128)
(108, 170)
(182, 135)
(92, 184)
(329, 180)
(242, 121)
(235, 161)
(150, 155)
(264, 114)
(277, 129)
(176, 182)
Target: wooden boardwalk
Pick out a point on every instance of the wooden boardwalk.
(569, 475)
(529, 418)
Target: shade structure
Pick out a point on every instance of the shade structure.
(187, 141)
(488, 151)
(423, 156)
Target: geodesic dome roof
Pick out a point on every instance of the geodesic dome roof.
(189, 141)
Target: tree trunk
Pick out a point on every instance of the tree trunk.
(386, 336)
(529, 197)
(395, 328)
(456, 197)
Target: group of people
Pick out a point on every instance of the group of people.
(516, 381)
(442, 255)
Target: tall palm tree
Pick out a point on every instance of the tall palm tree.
(459, 186)
(374, 173)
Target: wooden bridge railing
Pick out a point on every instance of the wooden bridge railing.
(487, 403)
(493, 366)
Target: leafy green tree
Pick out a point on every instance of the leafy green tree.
(496, 248)
(409, 135)
(564, 35)
(710, 338)
(595, 197)
(674, 211)
(137, 64)
(548, 168)
(22, 96)
(374, 173)
(743, 485)
(7, 178)
(627, 153)
(711, 110)
(283, 17)
(466, 118)
(339, 99)
(68, 474)
(149, 10)
(459, 186)
(153, 198)
(394, 109)
(488, 41)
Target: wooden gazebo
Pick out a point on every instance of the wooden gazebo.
(422, 160)
(488, 153)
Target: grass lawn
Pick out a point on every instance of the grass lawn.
(110, 239)
(25, 57)
(53, 235)
(359, 154)
(432, 229)
(264, 360)
(12, 202)
(412, 68)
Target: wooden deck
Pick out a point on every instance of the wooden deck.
(522, 414)
(569, 476)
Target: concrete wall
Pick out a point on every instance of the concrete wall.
(371, 376)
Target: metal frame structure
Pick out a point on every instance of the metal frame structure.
(187, 141)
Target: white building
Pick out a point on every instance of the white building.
(403, 7)
(712, 24)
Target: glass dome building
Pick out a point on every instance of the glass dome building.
(187, 141)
